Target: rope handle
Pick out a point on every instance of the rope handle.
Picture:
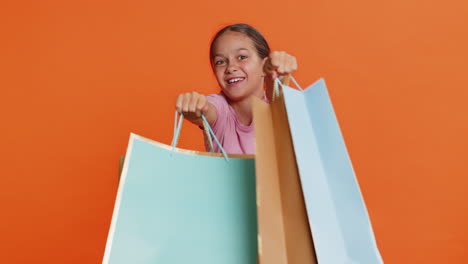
(282, 83)
(207, 128)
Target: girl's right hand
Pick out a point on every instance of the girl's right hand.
(192, 105)
(280, 63)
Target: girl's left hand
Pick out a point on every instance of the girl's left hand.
(280, 63)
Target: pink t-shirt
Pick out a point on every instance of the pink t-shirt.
(235, 137)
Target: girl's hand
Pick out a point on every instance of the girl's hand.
(192, 105)
(279, 64)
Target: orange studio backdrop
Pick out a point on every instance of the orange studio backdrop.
(76, 77)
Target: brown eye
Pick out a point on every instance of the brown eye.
(242, 57)
(219, 62)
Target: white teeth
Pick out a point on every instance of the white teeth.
(235, 80)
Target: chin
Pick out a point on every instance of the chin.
(234, 96)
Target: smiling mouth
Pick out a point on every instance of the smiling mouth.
(235, 80)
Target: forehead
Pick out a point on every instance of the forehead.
(231, 41)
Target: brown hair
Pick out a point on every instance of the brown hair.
(261, 45)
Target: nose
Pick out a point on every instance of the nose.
(232, 67)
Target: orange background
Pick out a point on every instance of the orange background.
(76, 77)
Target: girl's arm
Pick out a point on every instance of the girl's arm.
(193, 105)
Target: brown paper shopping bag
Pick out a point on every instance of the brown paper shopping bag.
(284, 235)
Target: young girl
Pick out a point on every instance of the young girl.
(243, 65)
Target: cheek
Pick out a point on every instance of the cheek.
(254, 70)
(219, 75)
(254, 66)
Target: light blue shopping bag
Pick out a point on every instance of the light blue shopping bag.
(176, 207)
(338, 217)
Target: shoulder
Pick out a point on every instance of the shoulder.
(220, 102)
(223, 112)
(217, 99)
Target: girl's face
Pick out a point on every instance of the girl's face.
(237, 66)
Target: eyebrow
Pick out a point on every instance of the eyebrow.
(216, 55)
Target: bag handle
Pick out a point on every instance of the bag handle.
(282, 83)
(205, 128)
(178, 126)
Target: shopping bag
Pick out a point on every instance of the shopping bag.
(283, 228)
(178, 206)
(338, 217)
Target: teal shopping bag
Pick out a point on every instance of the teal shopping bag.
(177, 206)
(340, 225)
